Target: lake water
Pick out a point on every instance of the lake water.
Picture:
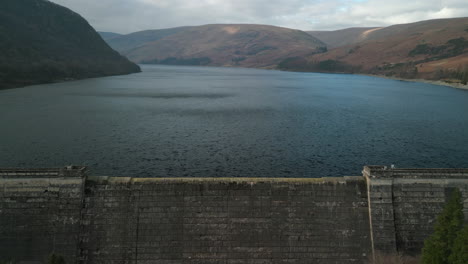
(226, 122)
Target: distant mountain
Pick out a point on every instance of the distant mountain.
(343, 37)
(125, 43)
(43, 42)
(433, 49)
(109, 35)
(218, 45)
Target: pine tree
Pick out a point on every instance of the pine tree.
(438, 247)
(460, 247)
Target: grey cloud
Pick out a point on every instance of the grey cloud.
(124, 16)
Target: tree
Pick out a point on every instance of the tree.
(438, 247)
(460, 248)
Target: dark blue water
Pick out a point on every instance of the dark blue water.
(222, 122)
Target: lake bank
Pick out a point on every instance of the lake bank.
(435, 82)
(440, 82)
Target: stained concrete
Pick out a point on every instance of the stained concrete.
(220, 220)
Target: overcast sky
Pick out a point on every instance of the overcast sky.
(125, 16)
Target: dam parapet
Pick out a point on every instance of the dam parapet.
(375, 172)
(66, 172)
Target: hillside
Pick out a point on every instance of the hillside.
(109, 35)
(125, 43)
(343, 37)
(218, 45)
(43, 42)
(433, 49)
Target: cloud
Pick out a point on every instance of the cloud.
(124, 16)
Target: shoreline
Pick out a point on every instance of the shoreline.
(441, 83)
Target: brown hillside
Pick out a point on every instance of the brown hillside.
(343, 37)
(227, 45)
(424, 49)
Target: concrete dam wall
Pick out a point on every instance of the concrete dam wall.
(220, 220)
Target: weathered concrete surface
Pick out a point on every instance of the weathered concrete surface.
(404, 204)
(226, 221)
(219, 220)
(40, 213)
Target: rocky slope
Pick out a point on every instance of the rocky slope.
(43, 42)
(434, 49)
(218, 45)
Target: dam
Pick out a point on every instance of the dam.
(93, 219)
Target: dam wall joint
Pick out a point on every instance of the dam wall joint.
(404, 203)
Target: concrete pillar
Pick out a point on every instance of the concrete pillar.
(381, 214)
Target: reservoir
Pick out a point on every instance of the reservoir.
(229, 122)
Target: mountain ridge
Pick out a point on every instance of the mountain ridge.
(108, 35)
(243, 45)
(137, 39)
(431, 49)
(344, 36)
(43, 42)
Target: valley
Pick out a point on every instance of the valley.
(434, 50)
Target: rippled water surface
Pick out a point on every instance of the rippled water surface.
(222, 122)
